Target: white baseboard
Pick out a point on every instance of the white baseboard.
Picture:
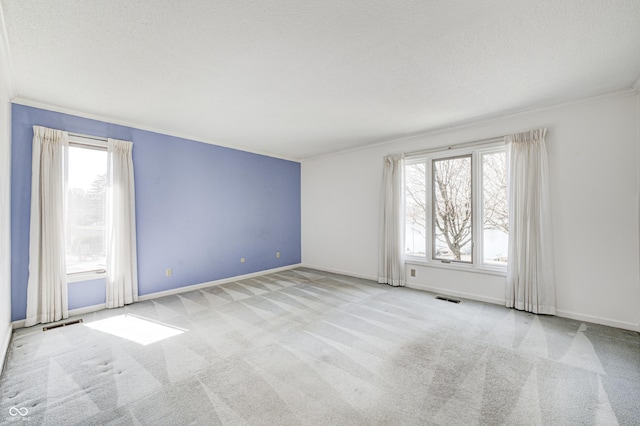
(72, 313)
(494, 300)
(337, 271)
(4, 346)
(461, 294)
(559, 313)
(214, 283)
(598, 320)
(94, 308)
(445, 292)
(87, 310)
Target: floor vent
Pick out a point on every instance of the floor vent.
(62, 324)
(448, 299)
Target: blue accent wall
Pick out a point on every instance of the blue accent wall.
(199, 208)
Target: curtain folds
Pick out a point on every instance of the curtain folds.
(122, 269)
(47, 284)
(391, 256)
(530, 284)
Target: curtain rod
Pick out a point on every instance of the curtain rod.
(95, 138)
(480, 142)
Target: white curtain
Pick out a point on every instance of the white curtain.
(47, 284)
(122, 268)
(530, 273)
(391, 261)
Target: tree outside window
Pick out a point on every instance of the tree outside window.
(85, 233)
(441, 209)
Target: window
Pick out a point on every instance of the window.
(415, 209)
(495, 214)
(452, 205)
(86, 196)
(456, 207)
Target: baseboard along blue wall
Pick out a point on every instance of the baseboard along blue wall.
(200, 208)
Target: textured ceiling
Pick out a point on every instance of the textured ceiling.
(301, 78)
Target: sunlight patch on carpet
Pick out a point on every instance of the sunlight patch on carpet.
(135, 328)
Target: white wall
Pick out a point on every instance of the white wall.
(593, 165)
(5, 202)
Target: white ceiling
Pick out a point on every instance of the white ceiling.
(301, 78)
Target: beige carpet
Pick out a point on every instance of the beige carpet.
(308, 347)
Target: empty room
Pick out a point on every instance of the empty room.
(320, 213)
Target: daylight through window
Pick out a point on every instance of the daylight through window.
(86, 196)
(452, 215)
(456, 207)
(495, 215)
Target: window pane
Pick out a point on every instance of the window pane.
(86, 210)
(415, 209)
(452, 217)
(495, 215)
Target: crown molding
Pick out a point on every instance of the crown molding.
(5, 57)
(64, 110)
(477, 121)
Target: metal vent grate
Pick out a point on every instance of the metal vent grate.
(62, 324)
(448, 299)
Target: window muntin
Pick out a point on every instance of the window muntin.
(478, 225)
(86, 196)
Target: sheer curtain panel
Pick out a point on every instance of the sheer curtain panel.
(391, 258)
(47, 284)
(122, 268)
(530, 273)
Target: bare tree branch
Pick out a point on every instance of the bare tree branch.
(452, 207)
(452, 203)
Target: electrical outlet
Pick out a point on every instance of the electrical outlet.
(413, 272)
(277, 255)
(168, 272)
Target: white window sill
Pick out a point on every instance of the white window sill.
(85, 276)
(487, 270)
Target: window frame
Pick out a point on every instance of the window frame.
(99, 144)
(477, 244)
